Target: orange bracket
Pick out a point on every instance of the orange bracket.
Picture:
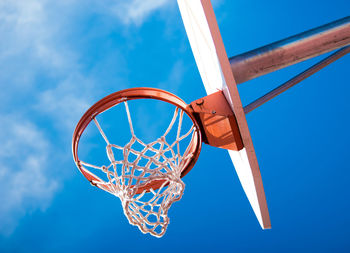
(217, 122)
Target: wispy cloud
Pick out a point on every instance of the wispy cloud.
(136, 11)
(48, 87)
(24, 169)
(66, 102)
(31, 33)
(176, 75)
(33, 49)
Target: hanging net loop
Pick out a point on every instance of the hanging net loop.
(146, 177)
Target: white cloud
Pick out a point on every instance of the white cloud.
(136, 11)
(31, 33)
(33, 48)
(176, 75)
(36, 46)
(24, 168)
(66, 102)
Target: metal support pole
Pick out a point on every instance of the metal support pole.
(312, 70)
(292, 50)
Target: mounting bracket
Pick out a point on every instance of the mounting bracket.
(217, 122)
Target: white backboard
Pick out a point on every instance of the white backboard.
(214, 67)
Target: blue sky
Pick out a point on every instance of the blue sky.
(59, 57)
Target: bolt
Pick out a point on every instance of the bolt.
(200, 102)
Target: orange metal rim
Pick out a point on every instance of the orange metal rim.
(132, 94)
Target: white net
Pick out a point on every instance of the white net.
(146, 177)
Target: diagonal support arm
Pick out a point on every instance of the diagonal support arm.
(297, 79)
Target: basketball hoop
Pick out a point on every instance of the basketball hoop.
(146, 191)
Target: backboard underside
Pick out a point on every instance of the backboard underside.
(213, 64)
